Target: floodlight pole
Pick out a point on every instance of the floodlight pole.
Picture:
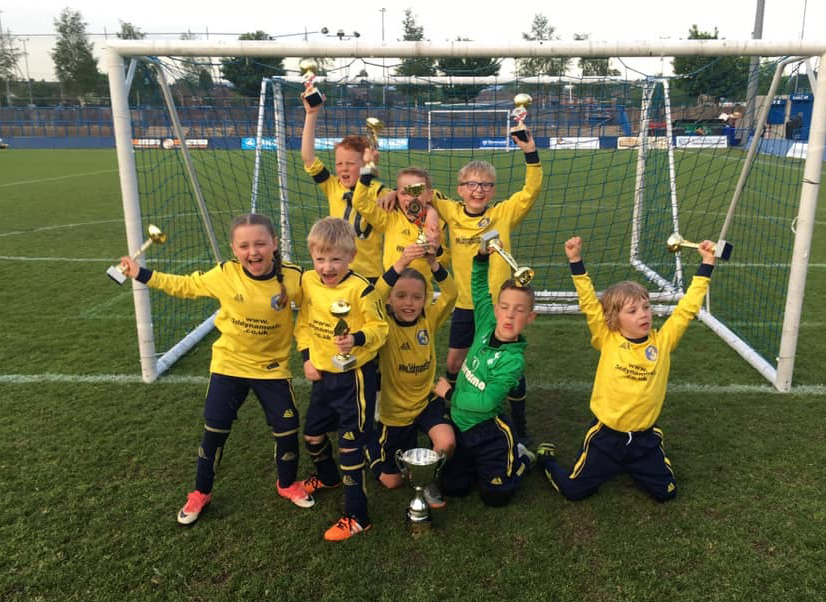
(754, 69)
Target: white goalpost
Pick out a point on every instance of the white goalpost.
(618, 169)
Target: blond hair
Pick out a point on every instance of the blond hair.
(616, 296)
(482, 167)
(332, 234)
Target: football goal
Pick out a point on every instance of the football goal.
(629, 160)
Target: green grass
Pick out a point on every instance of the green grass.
(94, 465)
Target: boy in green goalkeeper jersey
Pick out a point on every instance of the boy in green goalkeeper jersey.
(487, 452)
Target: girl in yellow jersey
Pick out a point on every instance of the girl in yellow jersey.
(256, 326)
(408, 365)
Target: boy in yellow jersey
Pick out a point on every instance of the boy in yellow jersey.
(467, 221)
(629, 385)
(408, 366)
(341, 399)
(339, 190)
(253, 351)
(399, 225)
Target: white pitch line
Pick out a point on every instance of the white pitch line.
(61, 226)
(578, 387)
(95, 260)
(74, 175)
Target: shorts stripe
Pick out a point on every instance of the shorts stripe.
(503, 426)
(580, 463)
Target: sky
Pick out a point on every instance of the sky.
(499, 22)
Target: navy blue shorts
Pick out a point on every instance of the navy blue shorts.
(462, 329)
(343, 402)
(606, 452)
(225, 395)
(387, 439)
(485, 454)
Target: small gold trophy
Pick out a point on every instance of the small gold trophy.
(418, 213)
(521, 275)
(340, 309)
(676, 242)
(374, 126)
(308, 70)
(518, 115)
(116, 273)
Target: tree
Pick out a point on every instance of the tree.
(75, 66)
(196, 74)
(145, 82)
(9, 56)
(416, 66)
(245, 73)
(718, 77)
(594, 65)
(465, 67)
(541, 30)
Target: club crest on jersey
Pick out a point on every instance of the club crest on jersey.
(492, 360)
(484, 222)
(651, 353)
(275, 302)
(423, 337)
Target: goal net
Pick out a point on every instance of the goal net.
(628, 161)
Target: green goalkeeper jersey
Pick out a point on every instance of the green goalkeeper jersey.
(489, 372)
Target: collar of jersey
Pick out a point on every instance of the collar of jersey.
(261, 277)
(404, 323)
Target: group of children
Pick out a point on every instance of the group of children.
(366, 321)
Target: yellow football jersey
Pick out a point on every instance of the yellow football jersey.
(368, 241)
(466, 231)
(256, 335)
(315, 325)
(408, 358)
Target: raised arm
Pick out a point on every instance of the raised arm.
(308, 134)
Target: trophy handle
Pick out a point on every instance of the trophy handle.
(399, 463)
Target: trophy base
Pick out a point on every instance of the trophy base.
(723, 250)
(419, 527)
(115, 274)
(314, 99)
(344, 363)
(521, 134)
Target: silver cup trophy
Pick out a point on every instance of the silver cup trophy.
(156, 235)
(522, 275)
(420, 466)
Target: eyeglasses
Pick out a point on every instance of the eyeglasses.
(474, 185)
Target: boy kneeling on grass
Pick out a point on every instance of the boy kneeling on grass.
(630, 383)
(486, 449)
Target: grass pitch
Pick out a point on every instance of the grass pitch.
(94, 464)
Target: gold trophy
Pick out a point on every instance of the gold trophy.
(340, 309)
(521, 275)
(676, 242)
(116, 273)
(418, 212)
(374, 126)
(518, 115)
(308, 70)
